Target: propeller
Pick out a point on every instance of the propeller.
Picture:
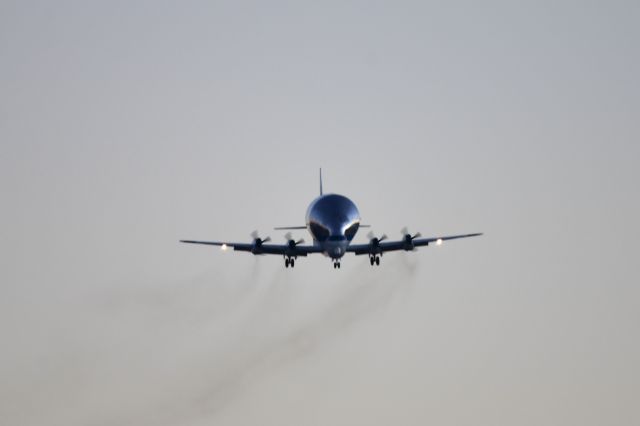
(408, 236)
(375, 240)
(292, 243)
(257, 240)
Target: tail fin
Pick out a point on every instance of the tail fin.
(320, 180)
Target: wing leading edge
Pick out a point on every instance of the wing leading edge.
(407, 244)
(260, 248)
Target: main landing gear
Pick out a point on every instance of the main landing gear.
(289, 261)
(374, 258)
(336, 264)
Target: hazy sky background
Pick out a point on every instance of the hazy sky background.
(125, 126)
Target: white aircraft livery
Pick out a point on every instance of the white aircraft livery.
(333, 221)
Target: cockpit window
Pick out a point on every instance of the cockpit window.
(319, 232)
(350, 232)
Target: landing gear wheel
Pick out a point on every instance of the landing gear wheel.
(371, 260)
(286, 263)
(377, 261)
(291, 263)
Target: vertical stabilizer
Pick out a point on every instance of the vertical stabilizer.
(320, 180)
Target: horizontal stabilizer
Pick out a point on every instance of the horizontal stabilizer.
(289, 228)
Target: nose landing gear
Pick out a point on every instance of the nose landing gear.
(374, 259)
(336, 264)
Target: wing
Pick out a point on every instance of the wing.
(280, 249)
(406, 244)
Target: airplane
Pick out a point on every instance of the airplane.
(333, 221)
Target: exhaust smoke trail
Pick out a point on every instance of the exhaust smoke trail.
(182, 351)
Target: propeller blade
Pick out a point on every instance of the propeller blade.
(256, 237)
(290, 239)
(370, 235)
(405, 233)
(384, 237)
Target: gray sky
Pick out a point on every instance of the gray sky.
(125, 126)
